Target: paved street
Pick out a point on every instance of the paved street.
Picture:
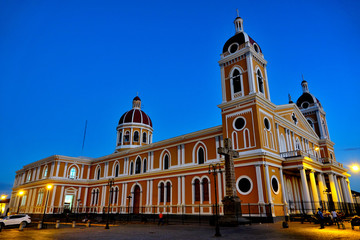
(188, 232)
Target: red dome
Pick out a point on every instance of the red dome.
(135, 116)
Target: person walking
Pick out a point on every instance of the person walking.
(334, 216)
(161, 219)
(321, 218)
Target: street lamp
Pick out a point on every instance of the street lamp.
(129, 197)
(355, 167)
(48, 187)
(20, 194)
(216, 168)
(111, 183)
(3, 197)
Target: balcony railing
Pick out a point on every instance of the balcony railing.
(300, 153)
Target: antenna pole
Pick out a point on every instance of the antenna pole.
(82, 149)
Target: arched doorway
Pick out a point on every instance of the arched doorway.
(136, 199)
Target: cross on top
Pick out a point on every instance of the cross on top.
(227, 149)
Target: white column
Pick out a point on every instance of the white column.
(322, 187)
(82, 172)
(179, 155)
(349, 190)
(85, 198)
(219, 186)
(250, 72)
(338, 188)
(61, 196)
(345, 190)
(183, 190)
(305, 189)
(314, 190)
(52, 169)
(179, 190)
(283, 192)
(151, 192)
(65, 168)
(223, 89)
(57, 169)
(268, 188)
(333, 188)
(259, 184)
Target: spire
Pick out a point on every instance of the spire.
(290, 101)
(238, 23)
(304, 85)
(137, 102)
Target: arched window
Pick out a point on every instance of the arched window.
(297, 144)
(145, 166)
(131, 168)
(120, 137)
(117, 170)
(205, 183)
(116, 192)
(97, 196)
(168, 192)
(236, 81)
(166, 162)
(112, 195)
(29, 176)
(72, 173)
(93, 197)
(127, 136)
(260, 81)
(40, 197)
(45, 171)
(138, 165)
(201, 156)
(136, 136)
(144, 137)
(197, 190)
(161, 189)
(98, 173)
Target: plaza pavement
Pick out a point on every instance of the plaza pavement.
(188, 232)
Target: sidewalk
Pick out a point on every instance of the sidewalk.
(153, 232)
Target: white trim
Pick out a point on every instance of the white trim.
(251, 185)
(278, 183)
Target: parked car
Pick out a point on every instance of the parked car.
(15, 220)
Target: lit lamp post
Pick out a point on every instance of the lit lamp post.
(214, 169)
(20, 194)
(111, 183)
(48, 187)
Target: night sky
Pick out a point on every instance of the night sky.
(65, 62)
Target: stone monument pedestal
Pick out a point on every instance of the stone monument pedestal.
(232, 211)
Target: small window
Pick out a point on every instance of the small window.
(138, 166)
(166, 162)
(201, 156)
(233, 47)
(239, 123)
(131, 168)
(305, 105)
(120, 137)
(45, 172)
(256, 48)
(267, 124)
(127, 136)
(117, 170)
(275, 184)
(244, 185)
(331, 156)
(136, 136)
(72, 173)
(144, 137)
(98, 173)
(260, 81)
(145, 166)
(197, 190)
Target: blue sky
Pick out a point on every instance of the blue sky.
(65, 62)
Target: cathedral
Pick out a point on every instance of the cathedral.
(285, 162)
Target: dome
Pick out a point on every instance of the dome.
(135, 115)
(306, 99)
(240, 38)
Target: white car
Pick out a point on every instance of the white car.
(15, 220)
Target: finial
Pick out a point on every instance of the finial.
(237, 11)
(137, 94)
(302, 76)
(290, 101)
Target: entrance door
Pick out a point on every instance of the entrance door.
(136, 199)
(68, 203)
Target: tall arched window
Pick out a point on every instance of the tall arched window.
(117, 170)
(131, 168)
(166, 162)
(45, 172)
(112, 195)
(144, 137)
(145, 166)
(127, 136)
(168, 192)
(205, 183)
(29, 176)
(136, 136)
(138, 165)
(72, 173)
(161, 189)
(98, 173)
(236, 81)
(201, 156)
(116, 192)
(260, 81)
(197, 190)
(97, 196)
